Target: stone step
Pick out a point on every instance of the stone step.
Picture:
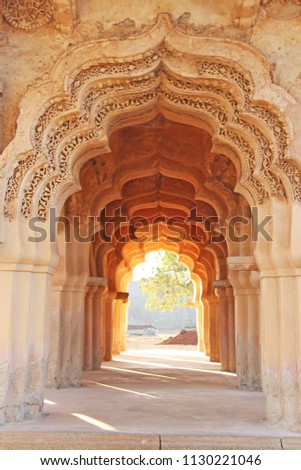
(105, 441)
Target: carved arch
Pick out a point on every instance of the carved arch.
(110, 89)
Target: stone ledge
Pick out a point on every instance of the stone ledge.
(76, 441)
(103, 441)
(291, 443)
(219, 442)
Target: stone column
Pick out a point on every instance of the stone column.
(245, 280)
(200, 326)
(88, 328)
(92, 337)
(220, 288)
(108, 308)
(118, 328)
(124, 324)
(231, 329)
(227, 324)
(97, 333)
(213, 303)
(1, 112)
(67, 315)
(206, 325)
(25, 281)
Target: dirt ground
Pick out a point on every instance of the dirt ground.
(153, 342)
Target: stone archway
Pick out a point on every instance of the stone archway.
(222, 87)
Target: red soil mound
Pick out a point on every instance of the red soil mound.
(184, 337)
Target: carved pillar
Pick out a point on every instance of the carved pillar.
(206, 325)
(120, 299)
(213, 303)
(231, 329)
(98, 325)
(220, 287)
(68, 308)
(227, 324)
(25, 279)
(88, 329)
(123, 324)
(245, 282)
(1, 113)
(108, 303)
(92, 336)
(279, 261)
(200, 326)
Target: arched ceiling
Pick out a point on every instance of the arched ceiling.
(161, 183)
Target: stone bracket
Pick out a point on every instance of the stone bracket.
(122, 296)
(65, 15)
(222, 283)
(242, 263)
(97, 281)
(245, 13)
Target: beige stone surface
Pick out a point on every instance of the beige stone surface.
(291, 443)
(219, 442)
(77, 441)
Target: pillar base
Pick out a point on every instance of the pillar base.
(18, 414)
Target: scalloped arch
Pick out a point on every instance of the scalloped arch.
(101, 86)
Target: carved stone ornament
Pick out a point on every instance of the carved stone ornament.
(28, 14)
(282, 9)
(109, 91)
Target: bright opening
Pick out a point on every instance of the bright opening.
(159, 314)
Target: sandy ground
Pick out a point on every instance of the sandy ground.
(153, 342)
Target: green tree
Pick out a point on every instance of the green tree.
(169, 286)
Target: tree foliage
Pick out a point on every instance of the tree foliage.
(169, 286)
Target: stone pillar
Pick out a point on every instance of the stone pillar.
(120, 299)
(108, 308)
(92, 336)
(231, 329)
(200, 326)
(67, 314)
(206, 325)
(214, 309)
(55, 324)
(88, 328)
(227, 331)
(24, 333)
(1, 115)
(224, 337)
(124, 324)
(245, 280)
(279, 262)
(97, 333)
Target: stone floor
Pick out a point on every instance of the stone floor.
(156, 391)
(152, 398)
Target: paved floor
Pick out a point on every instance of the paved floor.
(155, 391)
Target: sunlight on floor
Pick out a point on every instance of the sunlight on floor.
(168, 366)
(49, 402)
(137, 372)
(95, 422)
(122, 389)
